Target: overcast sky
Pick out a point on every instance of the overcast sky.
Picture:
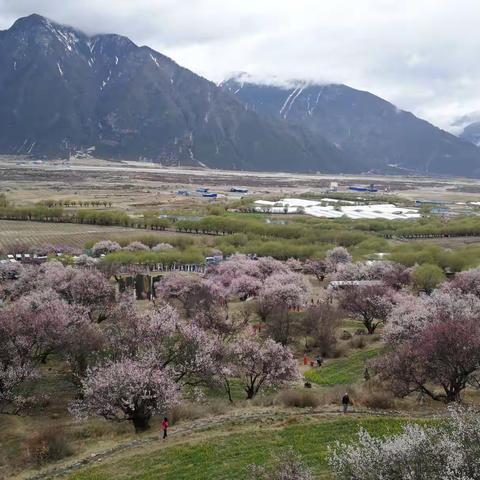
(422, 55)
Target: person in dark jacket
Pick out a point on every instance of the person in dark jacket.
(165, 427)
(345, 402)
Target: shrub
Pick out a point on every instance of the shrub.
(426, 277)
(345, 335)
(339, 351)
(136, 247)
(358, 342)
(374, 338)
(47, 445)
(299, 398)
(218, 406)
(186, 411)
(373, 396)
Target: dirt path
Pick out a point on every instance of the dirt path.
(185, 433)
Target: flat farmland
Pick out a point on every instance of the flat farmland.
(18, 233)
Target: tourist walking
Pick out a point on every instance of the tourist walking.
(345, 402)
(165, 427)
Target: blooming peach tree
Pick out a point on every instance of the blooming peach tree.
(127, 390)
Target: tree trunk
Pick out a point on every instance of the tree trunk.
(370, 326)
(250, 392)
(141, 423)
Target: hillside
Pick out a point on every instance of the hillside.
(62, 91)
(370, 131)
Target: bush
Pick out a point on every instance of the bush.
(264, 400)
(376, 399)
(299, 398)
(47, 446)
(426, 277)
(358, 342)
(338, 351)
(374, 338)
(345, 335)
(186, 411)
(218, 406)
(333, 395)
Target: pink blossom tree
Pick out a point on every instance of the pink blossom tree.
(193, 293)
(294, 265)
(370, 304)
(392, 274)
(182, 346)
(412, 314)
(434, 344)
(336, 257)
(318, 268)
(36, 325)
(465, 282)
(93, 291)
(269, 266)
(83, 347)
(244, 286)
(104, 247)
(280, 294)
(88, 288)
(286, 289)
(259, 364)
(127, 390)
(15, 375)
(85, 261)
(136, 247)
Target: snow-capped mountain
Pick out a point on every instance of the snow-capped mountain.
(63, 91)
(370, 131)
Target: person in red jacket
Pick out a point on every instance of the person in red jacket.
(165, 427)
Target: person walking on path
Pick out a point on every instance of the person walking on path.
(165, 427)
(345, 402)
(319, 360)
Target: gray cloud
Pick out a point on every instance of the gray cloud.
(419, 54)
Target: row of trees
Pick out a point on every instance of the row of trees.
(74, 203)
(91, 217)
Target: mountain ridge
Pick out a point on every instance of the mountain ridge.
(367, 128)
(62, 91)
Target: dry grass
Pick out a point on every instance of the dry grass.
(46, 446)
(299, 398)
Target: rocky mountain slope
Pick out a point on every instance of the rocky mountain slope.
(471, 133)
(367, 129)
(62, 91)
